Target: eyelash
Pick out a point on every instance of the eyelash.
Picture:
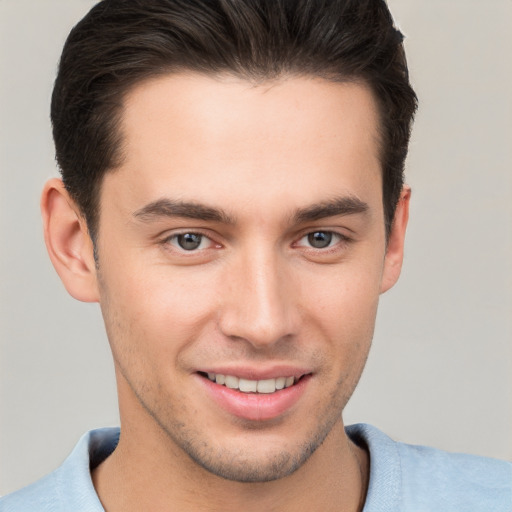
(338, 240)
(174, 237)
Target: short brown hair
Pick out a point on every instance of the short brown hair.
(119, 43)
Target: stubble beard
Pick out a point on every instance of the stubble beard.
(243, 465)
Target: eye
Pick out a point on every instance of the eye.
(190, 241)
(320, 239)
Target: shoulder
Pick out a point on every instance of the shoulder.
(70, 486)
(455, 481)
(41, 496)
(426, 479)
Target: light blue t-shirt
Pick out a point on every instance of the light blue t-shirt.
(403, 478)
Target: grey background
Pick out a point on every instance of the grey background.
(441, 368)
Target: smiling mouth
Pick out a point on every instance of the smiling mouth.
(265, 386)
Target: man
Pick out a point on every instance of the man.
(233, 198)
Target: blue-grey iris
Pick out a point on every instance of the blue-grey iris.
(320, 239)
(189, 241)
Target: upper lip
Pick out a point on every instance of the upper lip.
(252, 373)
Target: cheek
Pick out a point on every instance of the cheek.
(345, 297)
(343, 308)
(155, 310)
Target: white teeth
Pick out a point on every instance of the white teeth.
(267, 385)
(252, 386)
(231, 382)
(280, 382)
(247, 386)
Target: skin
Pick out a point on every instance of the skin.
(253, 169)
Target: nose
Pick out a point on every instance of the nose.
(259, 304)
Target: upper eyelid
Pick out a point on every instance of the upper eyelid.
(174, 249)
(304, 232)
(341, 229)
(307, 233)
(166, 236)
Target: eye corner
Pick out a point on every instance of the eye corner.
(320, 239)
(332, 245)
(188, 242)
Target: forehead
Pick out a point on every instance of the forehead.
(190, 134)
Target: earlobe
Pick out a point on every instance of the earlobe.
(68, 242)
(395, 247)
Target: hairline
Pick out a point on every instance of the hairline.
(255, 79)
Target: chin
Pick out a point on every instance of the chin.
(249, 468)
(254, 460)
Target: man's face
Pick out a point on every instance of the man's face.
(243, 236)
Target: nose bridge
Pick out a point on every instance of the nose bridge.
(259, 306)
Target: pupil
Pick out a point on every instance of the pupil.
(189, 241)
(320, 239)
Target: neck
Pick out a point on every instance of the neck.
(148, 472)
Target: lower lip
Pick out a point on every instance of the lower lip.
(256, 406)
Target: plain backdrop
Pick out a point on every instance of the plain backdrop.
(440, 372)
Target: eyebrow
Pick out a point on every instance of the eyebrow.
(345, 205)
(175, 208)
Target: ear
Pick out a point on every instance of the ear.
(68, 242)
(395, 247)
